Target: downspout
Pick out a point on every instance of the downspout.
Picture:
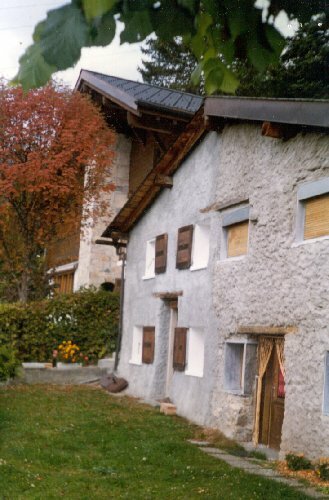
(121, 251)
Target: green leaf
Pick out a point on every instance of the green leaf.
(138, 26)
(203, 21)
(230, 82)
(214, 80)
(170, 20)
(196, 74)
(33, 71)
(197, 45)
(275, 39)
(97, 8)
(64, 33)
(103, 32)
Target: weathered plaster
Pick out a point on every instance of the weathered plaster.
(277, 283)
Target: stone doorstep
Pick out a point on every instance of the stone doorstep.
(259, 470)
(168, 409)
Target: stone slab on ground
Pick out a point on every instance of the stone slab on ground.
(252, 467)
(69, 376)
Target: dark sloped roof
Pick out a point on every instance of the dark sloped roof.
(143, 93)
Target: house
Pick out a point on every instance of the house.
(226, 308)
(146, 120)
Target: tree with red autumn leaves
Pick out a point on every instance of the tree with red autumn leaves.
(55, 150)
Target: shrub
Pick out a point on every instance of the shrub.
(298, 462)
(88, 318)
(323, 469)
(8, 363)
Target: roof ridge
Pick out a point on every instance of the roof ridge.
(143, 83)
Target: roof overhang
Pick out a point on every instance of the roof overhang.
(158, 179)
(300, 112)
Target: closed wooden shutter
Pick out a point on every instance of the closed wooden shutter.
(316, 217)
(184, 247)
(148, 344)
(64, 282)
(179, 360)
(237, 239)
(161, 244)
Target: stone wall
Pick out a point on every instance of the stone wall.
(99, 263)
(279, 282)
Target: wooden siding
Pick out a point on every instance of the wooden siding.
(237, 239)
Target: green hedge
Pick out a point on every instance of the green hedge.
(89, 318)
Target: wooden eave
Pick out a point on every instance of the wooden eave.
(148, 190)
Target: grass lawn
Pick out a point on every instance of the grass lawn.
(80, 443)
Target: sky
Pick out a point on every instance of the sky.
(17, 21)
(19, 17)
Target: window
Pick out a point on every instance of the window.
(240, 367)
(195, 352)
(235, 233)
(326, 386)
(313, 210)
(143, 345)
(136, 354)
(200, 247)
(184, 247)
(150, 260)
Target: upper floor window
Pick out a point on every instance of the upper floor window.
(235, 233)
(156, 256)
(200, 247)
(313, 210)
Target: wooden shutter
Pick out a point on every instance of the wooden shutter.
(237, 239)
(64, 282)
(148, 344)
(179, 360)
(161, 244)
(316, 217)
(184, 247)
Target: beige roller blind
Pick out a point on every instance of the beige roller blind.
(316, 217)
(237, 239)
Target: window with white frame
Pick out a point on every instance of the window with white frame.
(137, 346)
(200, 247)
(326, 386)
(240, 367)
(235, 237)
(150, 260)
(195, 352)
(313, 210)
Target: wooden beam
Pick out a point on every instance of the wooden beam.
(168, 295)
(266, 330)
(219, 205)
(163, 181)
(156, 124)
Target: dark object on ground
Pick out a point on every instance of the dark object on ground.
(113, 384)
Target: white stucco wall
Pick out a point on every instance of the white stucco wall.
(194, 187)
(279, 283)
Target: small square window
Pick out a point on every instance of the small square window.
(237, 239)
(313, 210)
(200, 247)
(150, 260)
(240, 367)
(316, 221)
(326, 386)
(235, 233)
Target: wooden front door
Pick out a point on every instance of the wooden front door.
(272, 405)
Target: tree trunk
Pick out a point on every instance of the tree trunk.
(23, 287)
